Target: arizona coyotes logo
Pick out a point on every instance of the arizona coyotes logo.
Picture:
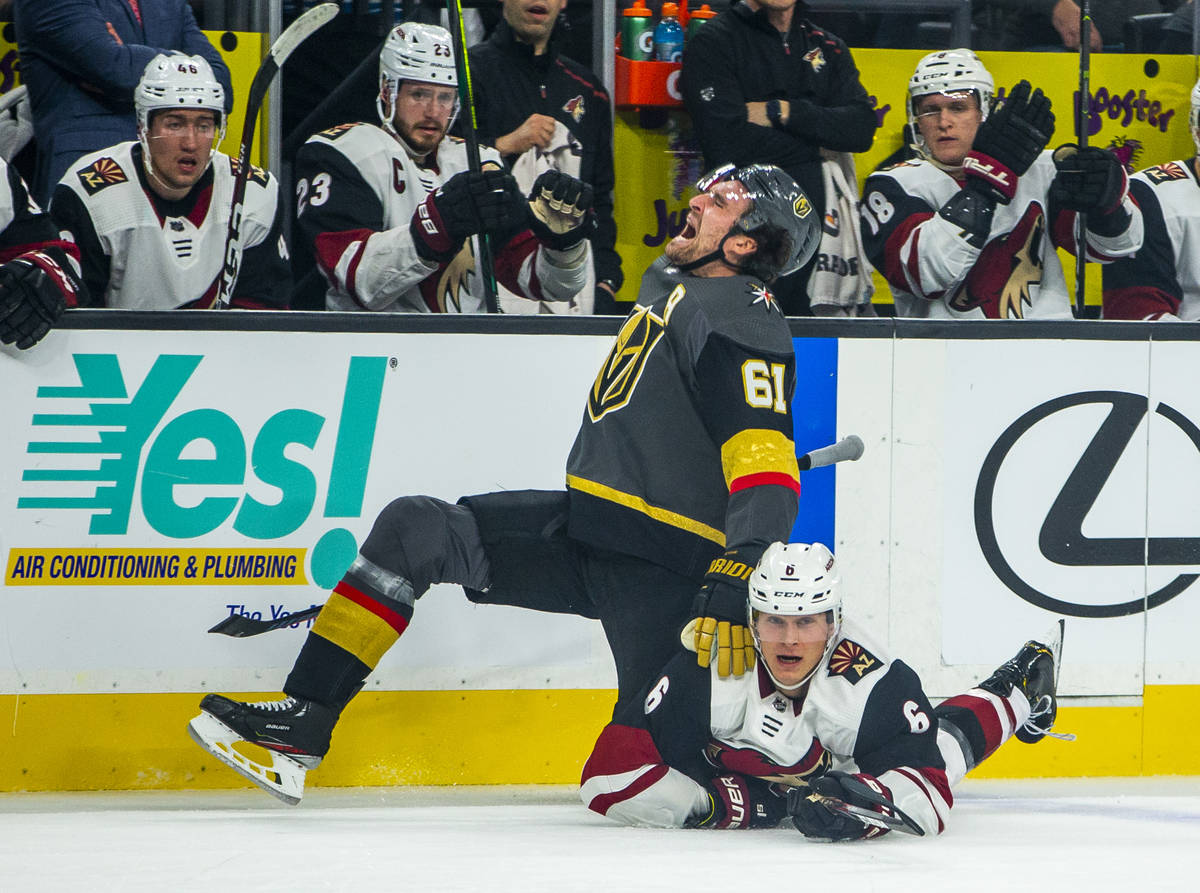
(574, 108)
(104, 172)
(749, 762)
(1008, 267)
(852, 661)
(621, 371)
(444, 290)
(815, 58)
(257, 174)
(1165, 172)
(1127, 150)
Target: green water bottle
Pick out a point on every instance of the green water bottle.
(698, 18)
(637, 32)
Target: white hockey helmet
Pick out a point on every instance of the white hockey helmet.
(947, 71)
(414, 52)
(1194, 116)
(178, 81)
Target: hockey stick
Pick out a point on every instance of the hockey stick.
(1081, 133)
(295, 34)
(458, 36)
(847, 449)
(899, 820)
(239, 626)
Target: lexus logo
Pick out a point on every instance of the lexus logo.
(1061, 539)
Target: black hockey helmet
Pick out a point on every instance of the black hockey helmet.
(782, 219)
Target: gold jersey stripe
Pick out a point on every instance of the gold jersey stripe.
(663, 516)
(758, 450)
(352, 627)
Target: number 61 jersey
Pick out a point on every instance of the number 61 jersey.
(685, 449)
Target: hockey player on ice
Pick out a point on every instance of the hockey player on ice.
(388, 213)
(969, 229)
(151, 215)
(1162, 281)
(39, 270)
(827, 719)
(682, 473)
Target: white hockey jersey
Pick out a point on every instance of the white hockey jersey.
(863, 712)
(143, 252)
(1161, 281)
(935, 273)
(356, 192)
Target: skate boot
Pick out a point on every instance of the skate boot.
(293, 734)
(1032, 671)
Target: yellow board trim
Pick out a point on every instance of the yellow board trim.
(365, 635)
(139, 741)
(664, 516)
(758, 450)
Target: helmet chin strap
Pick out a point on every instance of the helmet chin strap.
(717, 254)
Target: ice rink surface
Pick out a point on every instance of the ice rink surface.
(1053, 835)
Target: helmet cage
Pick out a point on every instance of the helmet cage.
(947, 71)
(419, 53)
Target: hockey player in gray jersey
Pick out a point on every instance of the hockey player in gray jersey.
(682, 473)
(39, 270)
(827, 730)
(969, 229)
(151, 216)
(1162, 281)
(389, 214)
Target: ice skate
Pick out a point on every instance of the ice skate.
(1034, 670)
(293, 734)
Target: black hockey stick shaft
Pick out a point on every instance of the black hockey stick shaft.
(899, 820)
(1081, 134)
(292, 37)
(847, 449)
(240, 626)
(466, 95)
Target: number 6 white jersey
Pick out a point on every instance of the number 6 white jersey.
(935, 272)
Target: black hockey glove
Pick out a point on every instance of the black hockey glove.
(560, 210)
(719, 613)
(1008, 142)
(463, 206)
(1090, 179)
(815, 818)
(737, 802)
(35, 289)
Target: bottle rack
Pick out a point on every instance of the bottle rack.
(646, 84)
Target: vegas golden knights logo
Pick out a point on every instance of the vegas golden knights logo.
(103, 173)
(620, 373)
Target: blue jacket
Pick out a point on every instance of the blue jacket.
(81, 60)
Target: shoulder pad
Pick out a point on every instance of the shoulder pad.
(334, 132)
(100, 174)
(852, 661)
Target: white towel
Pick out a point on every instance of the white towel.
(16, 122)
(562, 154)
(841, 283)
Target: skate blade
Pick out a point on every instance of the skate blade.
(283, 779)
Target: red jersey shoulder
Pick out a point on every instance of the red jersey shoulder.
(102, 173)
(852, 661)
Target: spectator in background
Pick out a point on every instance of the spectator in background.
(81, 60)
(151, 215)
(1162, 281)
(386, 215)
(1054, 24)
(544, 111)
(969, 229)
(764, 84)
(39, 270)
